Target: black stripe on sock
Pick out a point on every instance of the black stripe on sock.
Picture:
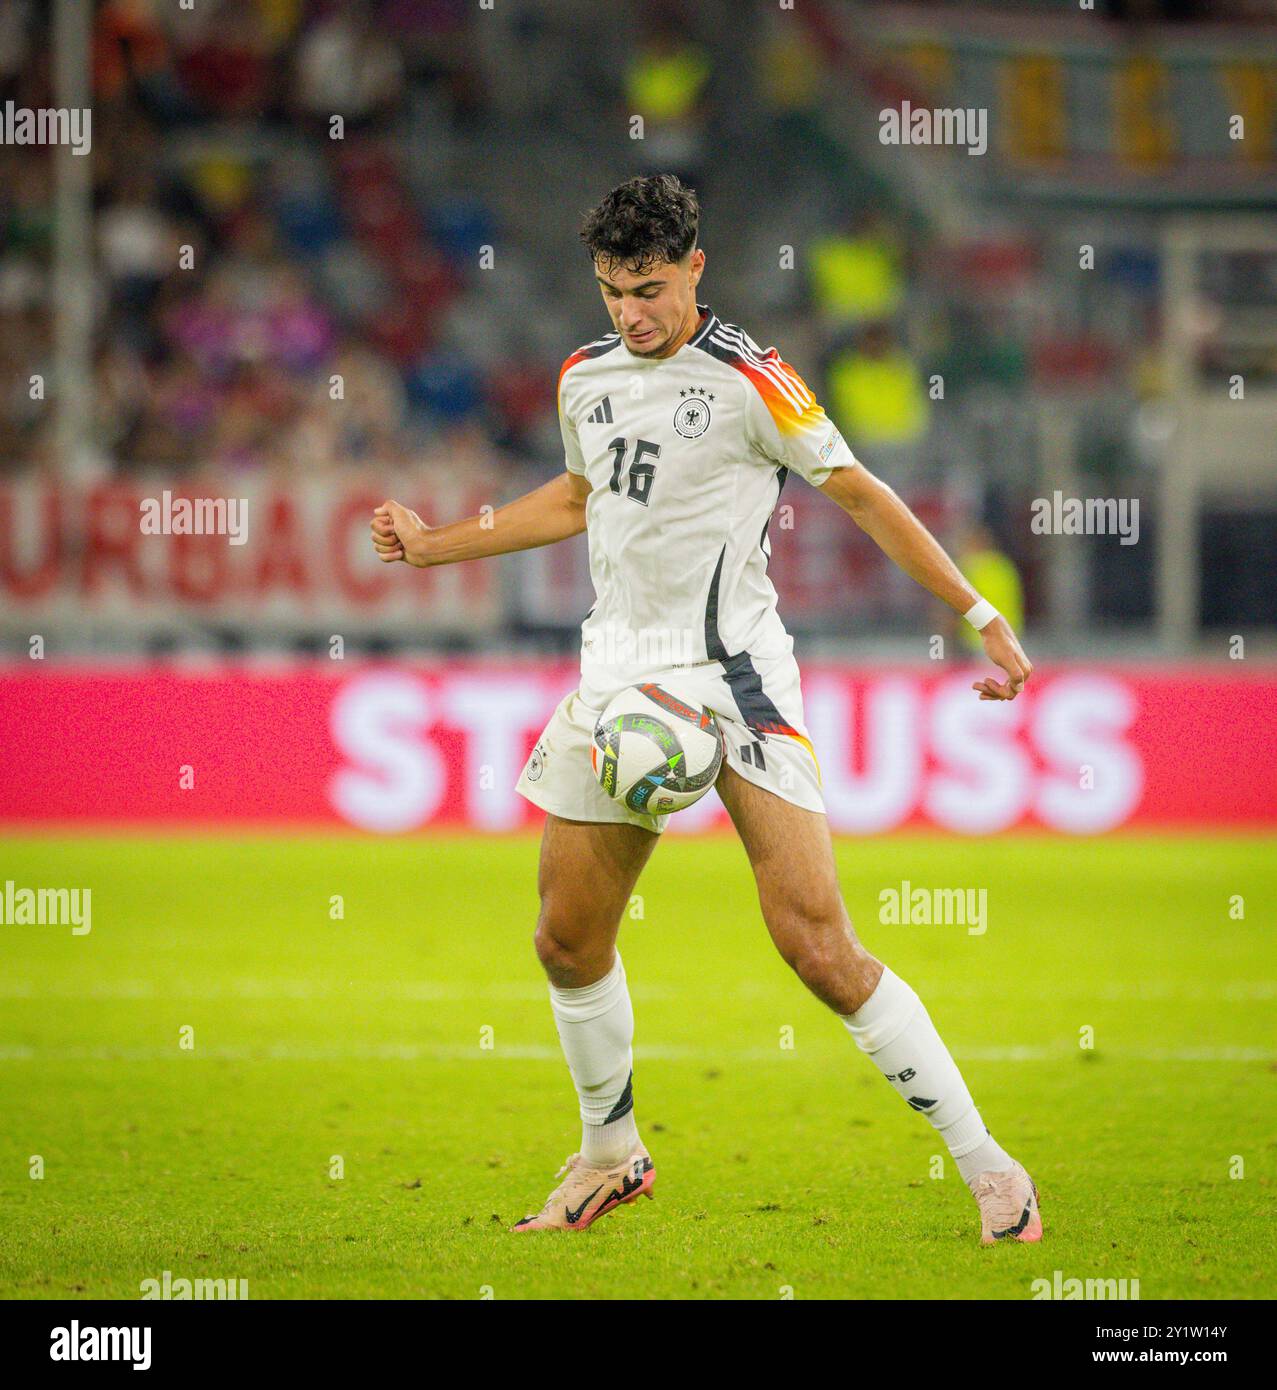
(625, 1104)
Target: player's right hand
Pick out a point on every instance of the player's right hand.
(1003, 648)
(398, 533)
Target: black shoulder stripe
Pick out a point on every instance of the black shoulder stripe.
(598, 349)
(719, 349)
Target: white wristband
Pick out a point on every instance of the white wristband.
(981, 614)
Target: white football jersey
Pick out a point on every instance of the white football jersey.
(686, 457)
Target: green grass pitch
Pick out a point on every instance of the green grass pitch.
(781, 1171)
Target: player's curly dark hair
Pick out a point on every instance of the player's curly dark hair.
(642, 222)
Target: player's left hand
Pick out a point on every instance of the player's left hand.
(1004, 650)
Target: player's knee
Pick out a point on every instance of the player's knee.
(812, 915)
(567, 948)
(556, 956)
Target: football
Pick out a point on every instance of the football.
(654, 752)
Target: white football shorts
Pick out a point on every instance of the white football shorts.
(759, 707)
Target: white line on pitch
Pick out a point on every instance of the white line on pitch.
(532, 990)
(538, 1052)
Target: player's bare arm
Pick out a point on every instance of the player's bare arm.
(881, 514)
(550, 513)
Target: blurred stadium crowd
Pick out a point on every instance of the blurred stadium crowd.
(308, 256)
(311, 256)
(249, 252)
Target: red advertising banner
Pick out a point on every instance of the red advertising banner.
(129, 553)
(393, 749)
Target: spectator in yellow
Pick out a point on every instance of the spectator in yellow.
(991, 572)
(876, 392)
(666, 79)
(665, 84)
(855, 273)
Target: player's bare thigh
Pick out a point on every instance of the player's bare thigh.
(586, 876)
(792, 856)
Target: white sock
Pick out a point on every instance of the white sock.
(596, 1028)
(897, 1033)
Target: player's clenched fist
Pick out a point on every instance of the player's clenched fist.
(398, 533)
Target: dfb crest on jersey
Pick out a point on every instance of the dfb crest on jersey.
(692, 416)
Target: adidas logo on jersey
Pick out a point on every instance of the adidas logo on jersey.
(602, 413)
(752, 753)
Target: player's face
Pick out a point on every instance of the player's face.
(655, 313)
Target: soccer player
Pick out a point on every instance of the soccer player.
(679, 433)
